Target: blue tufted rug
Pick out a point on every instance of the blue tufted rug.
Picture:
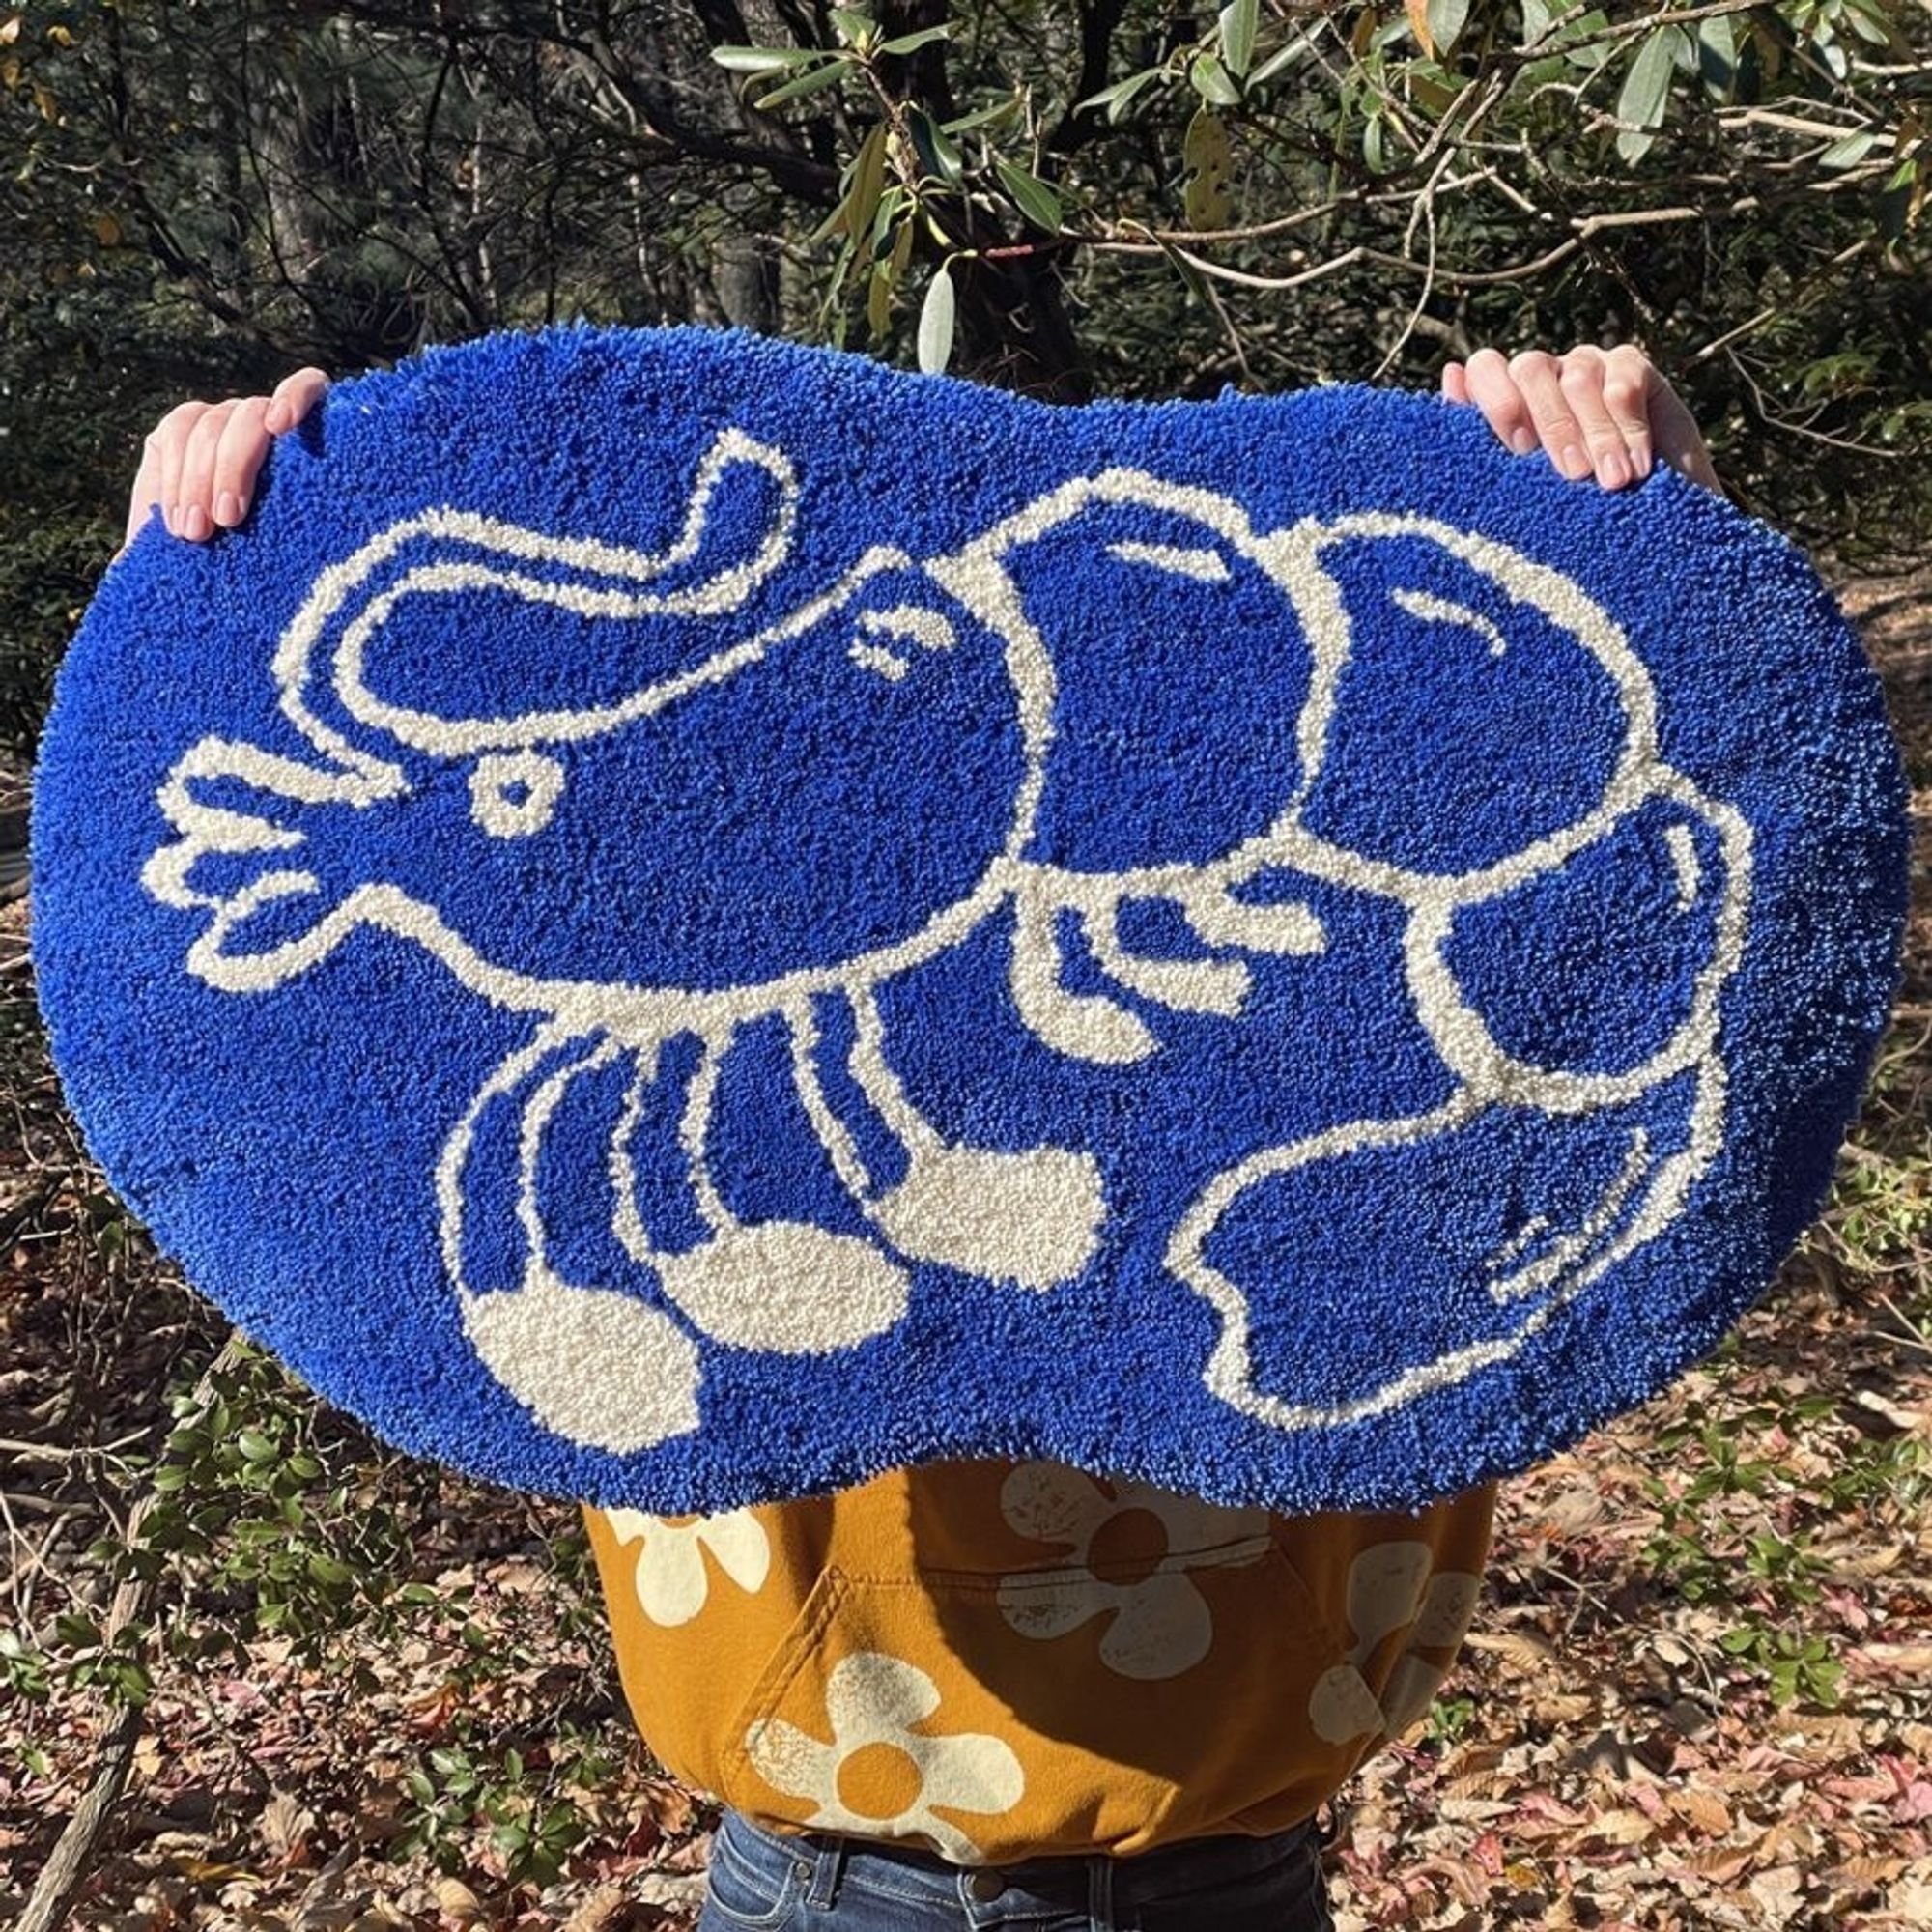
(679, 920)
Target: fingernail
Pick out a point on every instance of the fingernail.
(1641, 457)
(1574, 461)
(194, 522)
(1523, 441)
(168, 522)
(277, 417)
(228, 508)
(1613, 471)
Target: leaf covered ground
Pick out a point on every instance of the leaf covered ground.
(1699, 1693)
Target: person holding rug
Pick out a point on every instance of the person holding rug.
(1000, 1692)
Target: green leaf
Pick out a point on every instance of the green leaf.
(1001, 111)
(1536, 18)
(865, 179)
(1584, 49)
(131, 1682)
(1646, 93)
(841, 269)
(75, 1631)
(1031, 196)
(561, 1826)
(868, 181)
(762, 60)
(905, 44)
(852, 26)
(935, 323)
(1237, 35)
(1717, 55)
(1374, 144)
(1433, 90)
(256, 1447)
(901, 255)
(1446, 20)
(814, 82)
(939, 154)
(1210, 80)
(892, 203)
(1280, 60)
(1852, 149)
(1872, 21)
(1210, 158)
(1115, 98)
(1190, 276)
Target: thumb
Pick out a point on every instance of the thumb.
(146, 494)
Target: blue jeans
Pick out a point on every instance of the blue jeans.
(762, 1882)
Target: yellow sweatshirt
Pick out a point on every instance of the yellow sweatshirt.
(998, 1660)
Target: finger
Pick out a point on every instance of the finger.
(1679, 441)
(1582, 381)
(1627, 389)
(238, 459)
(1494, 391)
(1455, 384)
(173, 431)
(293, 397)
(194, 506)
(147, 491)
(1540, 377)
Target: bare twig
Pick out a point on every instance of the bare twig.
(63, 1870)
(53, 1452)
(1585, 227)
(46, 1908)
(1725, 341)
(1919, 1339)
(1426, 207)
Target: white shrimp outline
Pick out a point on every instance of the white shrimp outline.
(605, 1368)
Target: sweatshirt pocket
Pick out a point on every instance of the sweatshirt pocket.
(1048, 1711)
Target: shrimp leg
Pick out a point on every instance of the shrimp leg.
(785, 1286)
(1029, 1218)
(595, 1365)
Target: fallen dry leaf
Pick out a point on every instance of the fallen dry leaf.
(1705, 1809)
(455, 1898)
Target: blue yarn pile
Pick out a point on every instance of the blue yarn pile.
(679, 920)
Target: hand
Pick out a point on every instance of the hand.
(201, 462)
(1606, 412)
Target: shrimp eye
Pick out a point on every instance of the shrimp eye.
(513, 793)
